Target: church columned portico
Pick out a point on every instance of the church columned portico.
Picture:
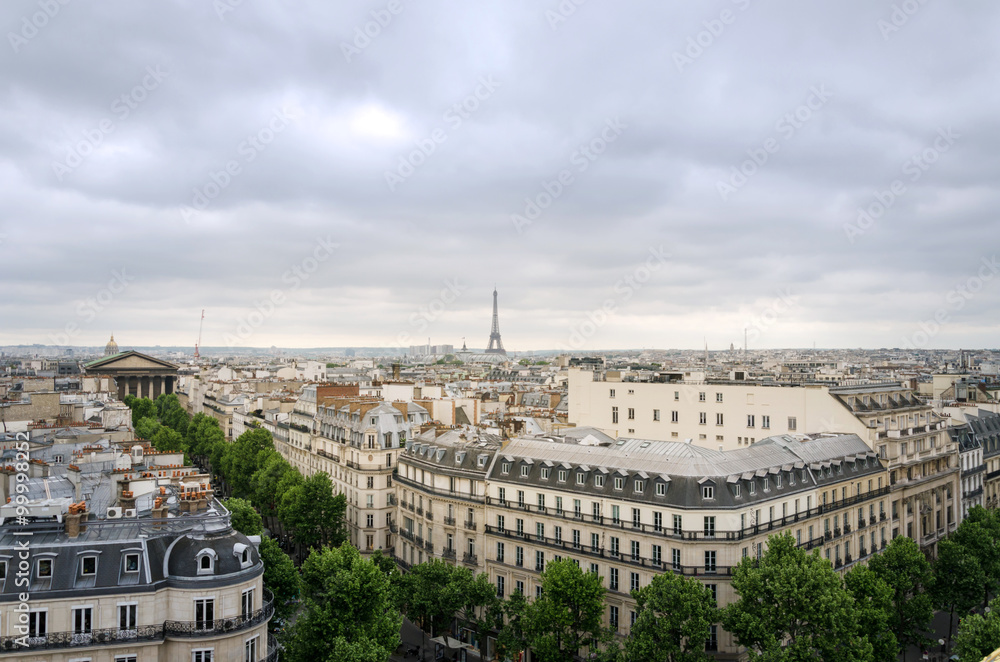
(136, 374)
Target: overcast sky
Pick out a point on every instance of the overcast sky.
(389, 162)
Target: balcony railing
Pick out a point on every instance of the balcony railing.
(471, 559)
(221, 625)
(449, 521)
(700, 534)
(448, 553)
(470, 526)
(145, 633)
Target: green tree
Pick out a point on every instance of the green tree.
(956, 582)
(431, 594)
(280, 577)
(171, 413)
(244, 517)
(266, 484)
(167, 440)
(349, 613)
(141, 408)
(481, 609)
(978, 635)
(979, 533)
(312, 513)
(569, 614)
(674, 615)
(903, 567)
(146, 428)
(793, 606)
(240, 461)
(510, 638)
(873, 605)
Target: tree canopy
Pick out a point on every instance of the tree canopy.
(349, 614)
(569, 614)
(793, 606)
(674, 615)
(903, 567)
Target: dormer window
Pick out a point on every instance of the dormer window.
(599, 480)
(707, 492)
(545, 473)
(737, 491)
(131, 563)
(524, 470)
(242, 552)
(88, 566)
(505, 468)
(44, 568)
(581, 478)
(206, 562)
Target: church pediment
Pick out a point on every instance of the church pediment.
(130, 361)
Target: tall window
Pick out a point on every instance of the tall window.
(656, 414)
(127, 616)
(613, 617)
(709, 526)
(675, 558)
(83, 620)
(38, 623)
(500, 550)
(204, 614)
(631, 414)
(678, 529)
(252, 649)
(709, 561)
(613, 579)
(246, 603)
(614, 414)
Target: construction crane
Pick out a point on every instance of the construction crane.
(200, 327)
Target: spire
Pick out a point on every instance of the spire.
(496, 345)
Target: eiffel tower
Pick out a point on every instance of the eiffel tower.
(496, 345)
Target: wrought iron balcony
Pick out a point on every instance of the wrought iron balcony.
(221, 625)
(471, 526)
(471, 559)
(448, 553)
(145, 633)
(108, 636)
(449, 521)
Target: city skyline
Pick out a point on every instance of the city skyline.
(629, 176)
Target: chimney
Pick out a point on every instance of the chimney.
(73, 474)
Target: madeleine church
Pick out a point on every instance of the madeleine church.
(134, 373)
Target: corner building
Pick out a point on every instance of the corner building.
(628, 509)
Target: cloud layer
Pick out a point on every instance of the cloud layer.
(813, 173)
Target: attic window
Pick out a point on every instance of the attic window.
(44, 568)
(88, 566)
(206, 561)
(131, 563)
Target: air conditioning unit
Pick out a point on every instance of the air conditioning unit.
(114, 513)
(130, 512)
